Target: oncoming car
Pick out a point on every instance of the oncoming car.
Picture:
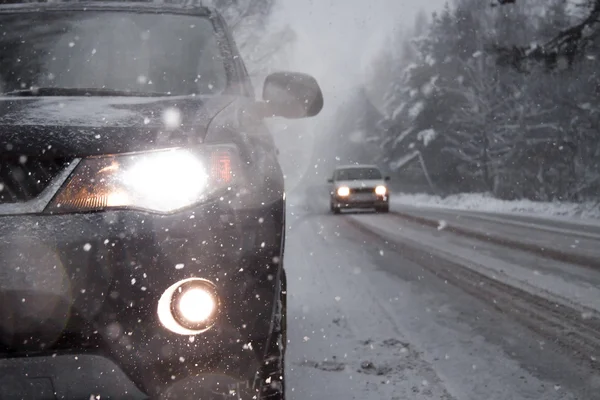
(142, 205)
(359, 186)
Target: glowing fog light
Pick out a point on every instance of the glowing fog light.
(195, 305)
(381, 190)
(189, 306)
(343, 191)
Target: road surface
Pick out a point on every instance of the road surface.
(574, 242)
(383, 308)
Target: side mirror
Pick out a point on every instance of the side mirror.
(387, 178)
(292, 95)
(330, 180)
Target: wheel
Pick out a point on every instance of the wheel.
(383, 209)
(273, 370)
(334, 209)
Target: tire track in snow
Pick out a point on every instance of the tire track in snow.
(558, 254)
(360, 339)
(575, 333)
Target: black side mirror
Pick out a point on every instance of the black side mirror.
(387, 178)
(292, 95)
(330, 180)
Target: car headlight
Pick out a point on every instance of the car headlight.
(343, 191)
(381, 190)
(161, 181)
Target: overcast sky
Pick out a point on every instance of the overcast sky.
(336, 39)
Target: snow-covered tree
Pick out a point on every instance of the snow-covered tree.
(468, 124)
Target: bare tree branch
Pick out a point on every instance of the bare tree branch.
(560, 51)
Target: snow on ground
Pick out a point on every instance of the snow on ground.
(365, 323)
(566, 284)
(486, 202)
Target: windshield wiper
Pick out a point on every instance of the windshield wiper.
(50, 91)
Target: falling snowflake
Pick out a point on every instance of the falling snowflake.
(586, 315)
(171, 118)
(442, 225)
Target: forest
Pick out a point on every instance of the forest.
(484, 97)
(496, 96)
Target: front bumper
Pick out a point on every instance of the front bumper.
(90, 283)
(359, 201)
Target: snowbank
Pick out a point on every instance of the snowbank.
(486, 202)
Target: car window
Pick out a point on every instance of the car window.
(352, 174)
(174, 54)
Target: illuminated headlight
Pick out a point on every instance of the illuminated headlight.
(343, 191)
(381, 190)
(189, 307)
(162, 181)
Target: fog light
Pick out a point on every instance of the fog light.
(189, 306)
(193, 306)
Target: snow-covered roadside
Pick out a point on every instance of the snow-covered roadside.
(560, 283)
(486, 202)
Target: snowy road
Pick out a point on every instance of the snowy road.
(558, 238)
(386, 309)
(382, 308)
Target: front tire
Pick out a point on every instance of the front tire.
(383, 209)
(273, 370)
(334, 209)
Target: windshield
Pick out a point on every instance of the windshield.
(355, 174)
(146, 53)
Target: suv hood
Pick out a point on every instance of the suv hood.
(355, 184)
(83, 126)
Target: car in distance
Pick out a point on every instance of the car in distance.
(142, 205)
(359, 186)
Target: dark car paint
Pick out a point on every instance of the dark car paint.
(87, 126)
(237, 241)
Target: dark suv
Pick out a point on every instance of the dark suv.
(142, 205)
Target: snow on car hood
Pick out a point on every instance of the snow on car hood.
(102, 125)
(368, 183)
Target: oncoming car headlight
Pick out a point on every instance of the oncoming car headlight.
(381, 190)
(343, 191)
(161, 181)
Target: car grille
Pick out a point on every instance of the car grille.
(362, 190)
(24, 178)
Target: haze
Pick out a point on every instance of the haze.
(336, 40)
